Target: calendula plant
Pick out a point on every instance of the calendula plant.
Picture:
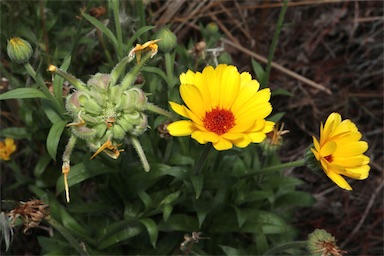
(221, 192)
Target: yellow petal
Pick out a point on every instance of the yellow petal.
(213, 85)
(242, 143)
(222, 144)
(339, 180)
(232, 136)
(181, 128)
(193, 99)
(257, 137)
(359, 173)
(230, 86)
(247, 91)
(204, 137)
(328, 149)
(352, 149)
(183, 111)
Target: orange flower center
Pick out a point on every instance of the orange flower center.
(329, 158)
(219, 120)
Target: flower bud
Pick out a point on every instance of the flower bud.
(100, 81)
(212, 28)
(19, 50)
(168, 40)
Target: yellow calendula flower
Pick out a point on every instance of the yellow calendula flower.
(224, 107)
(340, 151)
(7, 147)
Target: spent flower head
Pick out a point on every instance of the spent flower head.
(339, 151)
(104, 112)
(7, 147)
(321, 243)
(223, 106)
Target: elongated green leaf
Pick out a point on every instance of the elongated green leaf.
(79, 173)
(41, 165)
(54, 138)
(259, 71)
(128, 232)
(197, 183)
(230, 251)
(152, 229)
(58, 82)
(23, 93)
(294, 198)
(155, 70)
(103, 28)
(16, 133)
(179, 222)
(52, 115)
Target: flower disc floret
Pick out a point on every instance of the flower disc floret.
(223, 107)
(339, 151)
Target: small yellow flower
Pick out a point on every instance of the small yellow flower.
(340, 151)
(224, 107)
(7, 148)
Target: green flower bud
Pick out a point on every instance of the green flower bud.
(168, 40)
(310, 160)
(212, 28)
(83, 132)
(225, 58)
(19, 50)
(100, 81)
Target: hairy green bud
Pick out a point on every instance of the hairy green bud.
(19, 50)
(168, 40)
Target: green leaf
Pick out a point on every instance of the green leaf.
(79, 173)
(294, 198)
(145, 198)
(23, 93)
(179, 222)
(124, 234)
(54, 137)
(276, 117)
(281, 91)
(167, 211)
(52, 115)
(230, 251)
(58, 81)
(41, 165)
(102, 27)
(152, 229)
(197, 183)
(16, 133)
(259, 71)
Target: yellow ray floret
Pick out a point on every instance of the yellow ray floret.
(140, 47)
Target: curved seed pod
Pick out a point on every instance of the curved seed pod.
(83, 132)
(100, 81)
(100, 128)
(91, 120)
(125, 124)
(90, 105)
(141, 127)
(140, 100)
(118, 132)
(114, 94)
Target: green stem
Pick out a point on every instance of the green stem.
(275, 39)
(274, 168)
(203, 157)
(139, 149)
(283, 247)
(66, 234)
(115, 6)
(56, 105)
(153, 108)
(140, 10)
(130, 78)
(169, 70)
